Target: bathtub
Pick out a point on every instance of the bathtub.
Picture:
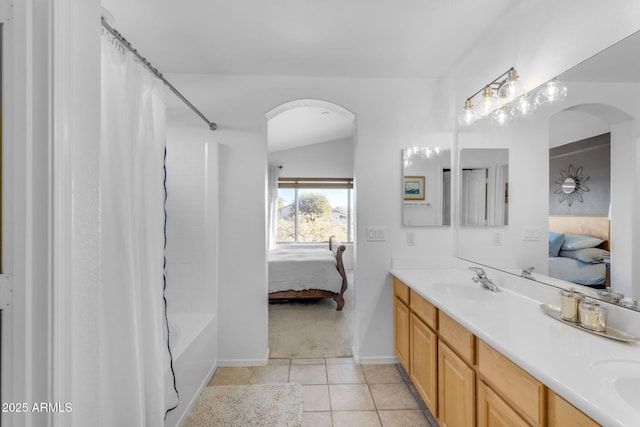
(193, 346)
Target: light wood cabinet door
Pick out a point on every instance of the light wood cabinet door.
(401, 332)
(456, 390)
(521, 390)
(562, 413)
(495, 412)
(423, 362)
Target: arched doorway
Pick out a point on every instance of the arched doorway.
(311, 197)
(594, 141)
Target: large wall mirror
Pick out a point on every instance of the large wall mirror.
(426, 186)
(572, 173)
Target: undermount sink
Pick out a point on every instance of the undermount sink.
(621, 377)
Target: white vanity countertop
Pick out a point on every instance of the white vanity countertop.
(564, 358)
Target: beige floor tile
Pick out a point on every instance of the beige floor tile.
(345, 374)
(382, 374)
(393, 396)
(403, 418)
(232, 375)
(337, 360)
(279, 361)
(270, 374)
(308, 374)
(350, 397)
(316, 419)
(310, 361)
(355, 418)
(316, 398)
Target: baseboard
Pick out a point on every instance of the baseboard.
(245, 362)
(387, 360)
(377, 360)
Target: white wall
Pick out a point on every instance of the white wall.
(391, 114)
(331, 159)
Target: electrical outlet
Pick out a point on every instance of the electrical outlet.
(497, 239)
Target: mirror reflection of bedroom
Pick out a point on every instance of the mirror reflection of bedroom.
(310, 226)
(579, 204)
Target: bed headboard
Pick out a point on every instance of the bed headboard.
(596, 226)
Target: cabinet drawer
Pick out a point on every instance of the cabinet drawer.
(400, 290)
(423, 309)
(458, 338)
(521, 390)
(563, 413)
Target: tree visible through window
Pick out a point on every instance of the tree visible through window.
(314, 214)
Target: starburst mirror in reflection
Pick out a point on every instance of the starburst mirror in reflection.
(571, 185)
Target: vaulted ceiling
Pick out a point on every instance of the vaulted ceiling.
(355, 38)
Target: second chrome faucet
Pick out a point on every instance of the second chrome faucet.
(481, 277)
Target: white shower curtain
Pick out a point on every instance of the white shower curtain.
(272, 192)
(133, 352)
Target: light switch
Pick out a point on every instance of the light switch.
(411, 238)
(376, 234)
(532, 234)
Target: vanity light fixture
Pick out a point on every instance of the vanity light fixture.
(502, 115)
(552, 91)
(488, 103)
(511, 101)
(468, 115)
(510, 89)
(524, 106)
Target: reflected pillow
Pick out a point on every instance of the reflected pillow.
(555, 243)
(574, 242)
(588, 255)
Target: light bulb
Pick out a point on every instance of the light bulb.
(524, 106)
(511, 88)
(502, 116)
(468, 115)
(488, 103)
(552, 91)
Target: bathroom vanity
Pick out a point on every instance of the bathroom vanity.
(494, 358)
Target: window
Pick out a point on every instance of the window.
(314, 209)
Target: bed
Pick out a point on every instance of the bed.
(579, 249)
(299, 273)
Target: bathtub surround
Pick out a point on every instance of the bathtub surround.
(192, 260)
(268, 405)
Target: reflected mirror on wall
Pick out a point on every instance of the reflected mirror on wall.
(426, 186)
(594, 129)
(484, 187)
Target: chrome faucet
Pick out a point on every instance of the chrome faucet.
(482, 278)
(526, 273)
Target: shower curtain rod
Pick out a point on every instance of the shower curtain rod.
(157, 73)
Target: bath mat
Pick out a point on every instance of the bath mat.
(268, 405)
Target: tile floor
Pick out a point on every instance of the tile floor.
(338, 392)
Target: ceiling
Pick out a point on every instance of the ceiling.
(354, 38)
(326, 38)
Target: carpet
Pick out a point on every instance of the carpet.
(268, 405)
(309, 328)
